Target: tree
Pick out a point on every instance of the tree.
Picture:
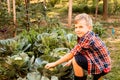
(105, 9)
(27, 13)
(8, 4)
(14, 18)
(96, 10)
(70, 13)
(44, 2)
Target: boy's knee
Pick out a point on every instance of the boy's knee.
(78, 71)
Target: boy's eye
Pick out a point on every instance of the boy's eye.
(80, 26)
(75, 27)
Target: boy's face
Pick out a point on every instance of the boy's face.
(81, 28)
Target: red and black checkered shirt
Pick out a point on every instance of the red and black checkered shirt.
(95, 51)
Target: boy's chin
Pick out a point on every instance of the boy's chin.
(80, 35)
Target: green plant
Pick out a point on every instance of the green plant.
(5, 17)
(116, 7)
(30, 51)
(36, 13)
(53, 2)
(81, 8)
(98, 29)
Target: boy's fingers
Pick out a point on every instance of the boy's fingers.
(47, 66)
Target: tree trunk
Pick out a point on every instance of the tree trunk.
(27, 14)
(96, 11)
(14, 18)
(45, 2)
(70, 13)
(8, 4)
(105, 9)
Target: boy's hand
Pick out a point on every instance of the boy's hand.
(50, 65)
(68, 63)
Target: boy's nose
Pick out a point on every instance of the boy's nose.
(77, 30)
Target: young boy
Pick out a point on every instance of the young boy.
(90, 53)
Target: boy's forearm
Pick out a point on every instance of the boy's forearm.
(65, 58)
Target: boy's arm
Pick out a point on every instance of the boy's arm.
(61, 60)
(68, 63)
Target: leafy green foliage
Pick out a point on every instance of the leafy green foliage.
(30, 51)
(81, 8)
(7, 47)
(114, 7)
(53, 2)
(36, 12)
(5, 18)
(85, 8)
(98, 29)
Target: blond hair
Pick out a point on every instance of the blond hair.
(86, 17)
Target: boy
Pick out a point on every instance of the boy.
(90, 53)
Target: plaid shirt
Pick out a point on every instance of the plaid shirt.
(95, 51)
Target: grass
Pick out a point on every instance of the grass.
(113, 44)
